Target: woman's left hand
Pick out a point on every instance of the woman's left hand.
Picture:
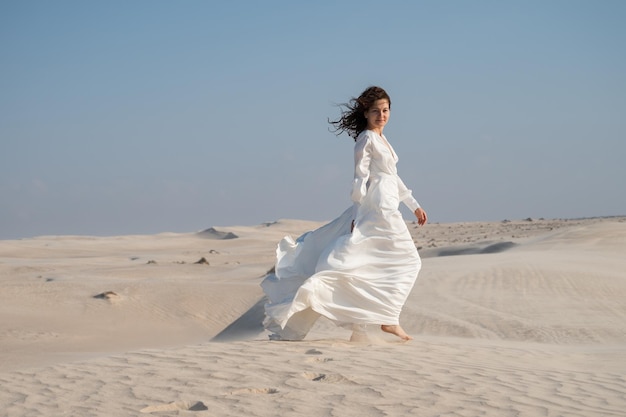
(422, 218)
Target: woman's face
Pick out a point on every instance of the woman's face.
(378, 115)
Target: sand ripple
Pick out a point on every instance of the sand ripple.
(260, 378)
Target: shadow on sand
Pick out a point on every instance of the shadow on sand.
(467, 250)
(246, 327)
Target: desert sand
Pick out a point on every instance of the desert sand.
(510, 318)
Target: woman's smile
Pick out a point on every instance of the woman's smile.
(378, 115)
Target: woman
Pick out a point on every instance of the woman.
(360, 268)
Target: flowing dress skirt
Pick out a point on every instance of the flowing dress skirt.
(357, 277)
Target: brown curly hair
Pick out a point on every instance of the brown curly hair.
(352, 118)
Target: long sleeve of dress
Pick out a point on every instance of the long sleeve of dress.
(362, 158)
(406, 196)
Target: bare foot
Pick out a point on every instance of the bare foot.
(359, 337)
(359, 333)
(395, 329)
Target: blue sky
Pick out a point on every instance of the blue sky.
(148, 116)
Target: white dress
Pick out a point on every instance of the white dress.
(353, 278)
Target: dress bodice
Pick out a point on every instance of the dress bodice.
(374, 150)
(373, 158)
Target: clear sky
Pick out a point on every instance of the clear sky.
(149, 116)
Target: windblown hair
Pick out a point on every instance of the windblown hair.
(352, 120)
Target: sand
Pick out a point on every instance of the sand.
(512, 318)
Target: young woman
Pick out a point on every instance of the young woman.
(360, 268)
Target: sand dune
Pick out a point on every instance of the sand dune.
(509, 318)
(212, 233)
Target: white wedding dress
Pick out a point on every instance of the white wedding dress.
(353, 278)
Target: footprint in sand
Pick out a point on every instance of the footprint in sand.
(109, 296)
(202, 261)
(319, 360)
(316, 359)
(253, 391)
(176, 406)
(329, 378)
